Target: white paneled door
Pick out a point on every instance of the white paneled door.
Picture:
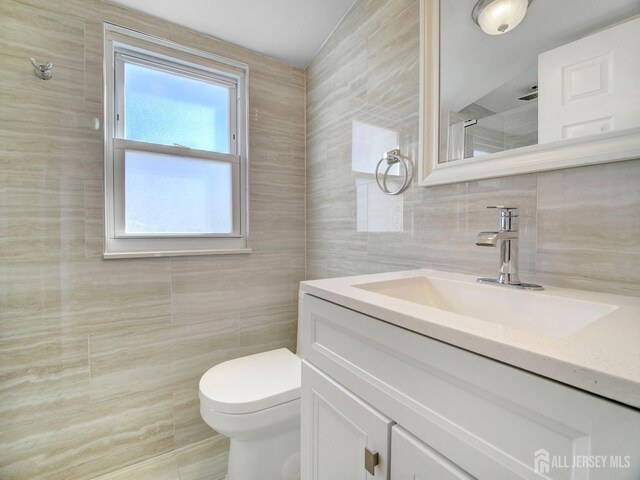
(590, 86)
(343, 438)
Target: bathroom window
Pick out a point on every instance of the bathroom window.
(175, 149)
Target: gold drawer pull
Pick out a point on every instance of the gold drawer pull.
(370, 460)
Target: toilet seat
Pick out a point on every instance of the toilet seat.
(253, 383)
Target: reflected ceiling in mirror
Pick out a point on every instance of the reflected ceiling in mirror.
(569, 70)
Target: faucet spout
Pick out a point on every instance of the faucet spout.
(487, 239)
(491, 239)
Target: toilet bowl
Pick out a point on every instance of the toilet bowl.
(255, 401)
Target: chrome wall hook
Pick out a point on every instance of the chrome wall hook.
(43, 71)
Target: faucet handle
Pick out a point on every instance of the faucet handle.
(506, 211)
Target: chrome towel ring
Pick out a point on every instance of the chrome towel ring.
(393, 157)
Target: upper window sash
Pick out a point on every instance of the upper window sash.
(123, 56)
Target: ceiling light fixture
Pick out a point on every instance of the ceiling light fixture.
(496, 17)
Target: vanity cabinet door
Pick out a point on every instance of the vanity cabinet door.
(412, 459)
(341, 434)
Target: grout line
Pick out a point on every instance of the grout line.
(123, 470)
(305, 177)
(535, 233)
(197, 444)
(89, 365)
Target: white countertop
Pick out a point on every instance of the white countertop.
(602, 357)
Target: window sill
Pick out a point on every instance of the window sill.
(175, 253)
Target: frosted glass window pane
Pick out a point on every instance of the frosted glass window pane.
(171, 194)
(169, 109)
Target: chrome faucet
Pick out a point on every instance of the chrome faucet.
(508, 238)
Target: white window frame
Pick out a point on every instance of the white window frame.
(126, 46)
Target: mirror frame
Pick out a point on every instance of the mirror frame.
(607, 147)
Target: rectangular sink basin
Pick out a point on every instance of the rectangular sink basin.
(534, 312)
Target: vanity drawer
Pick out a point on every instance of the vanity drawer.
(413, 459)
(489, 418)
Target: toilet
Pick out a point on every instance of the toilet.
(255, 401)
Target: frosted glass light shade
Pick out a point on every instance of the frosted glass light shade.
(496, 17)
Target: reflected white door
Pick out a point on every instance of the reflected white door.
(591, 85)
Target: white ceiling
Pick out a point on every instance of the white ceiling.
(288, 30)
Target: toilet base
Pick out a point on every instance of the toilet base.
(271, 458)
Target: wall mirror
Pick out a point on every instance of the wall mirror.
(518, 86)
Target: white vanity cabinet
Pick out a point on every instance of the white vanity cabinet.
(432, 410)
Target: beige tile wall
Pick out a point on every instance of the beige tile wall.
(580, 227)
(100, 360)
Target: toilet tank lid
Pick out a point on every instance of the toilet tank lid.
(252, 383)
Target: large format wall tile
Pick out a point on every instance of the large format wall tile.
(90, 441)
(41, 374)
(100, 360)
(31, 225)
(103, 296)
(213, 287)
(268, 329)
(188, 427)
(204, 288)
(46, 218)
(589, 226)
(30, 299)
(126, 363)
(30, 31)
(196, 347)
(392, 66)
(274, 205)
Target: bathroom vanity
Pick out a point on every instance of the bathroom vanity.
(430, 375)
